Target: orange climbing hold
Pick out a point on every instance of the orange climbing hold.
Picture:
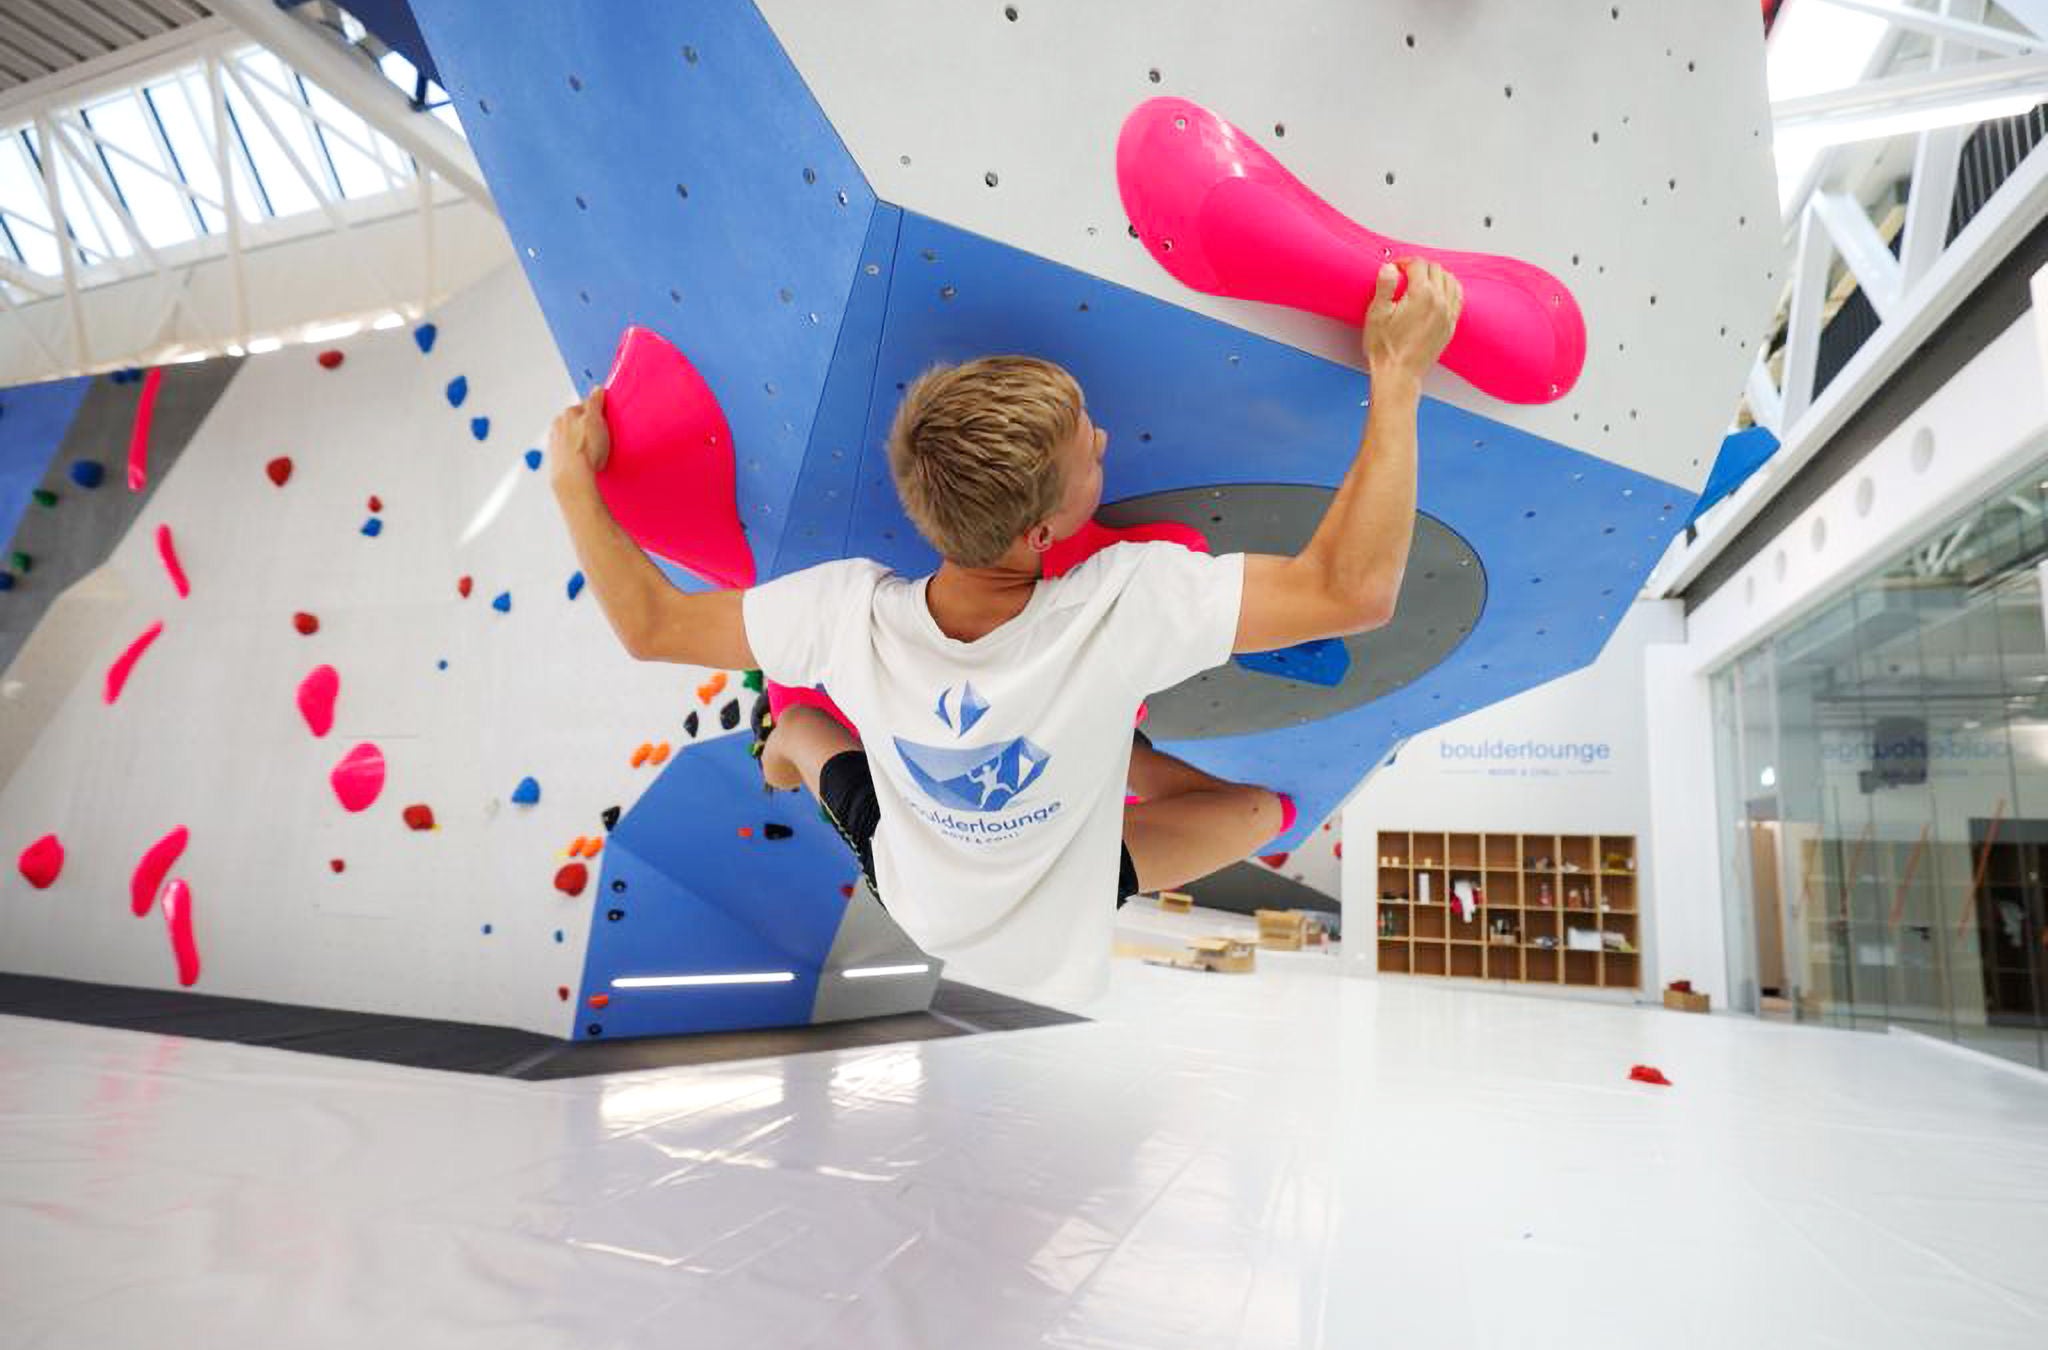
(593, 848)
(711, 688)
(572, 879)
(576, 849)
(42, 861)
(746, 832)
(640, 755)
(660, 754)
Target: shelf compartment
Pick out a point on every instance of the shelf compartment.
(1430, 958)
(1394, 956)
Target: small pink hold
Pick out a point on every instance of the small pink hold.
(168, 548)
(359, 778)
(117, 674)
(178, 918)
(42, 861)
(317, 693)
(150, 872)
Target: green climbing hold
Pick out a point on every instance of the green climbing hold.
(22, 562)
(752, 680)
(45, 497)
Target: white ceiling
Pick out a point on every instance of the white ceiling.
(39, 38)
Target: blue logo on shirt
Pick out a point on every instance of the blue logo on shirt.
(971, 778)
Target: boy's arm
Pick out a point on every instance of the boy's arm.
(654, 621)
(1347, 577)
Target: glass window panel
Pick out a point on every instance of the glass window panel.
(158, 208)
(360, 174)
(284, 191)
(178, 112)
(87, 212)
(272, 85)
(21, 196)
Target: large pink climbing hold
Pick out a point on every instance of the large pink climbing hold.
(167, 548)
(42, 861)
(781, 696)
(669, 478)
(1093, 537)
(316, 699)
(117, 674)
(178, 918)
(1223, 216)
(359, 778)
(155, 865)
(138, 439)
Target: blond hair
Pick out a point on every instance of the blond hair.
(974, 451)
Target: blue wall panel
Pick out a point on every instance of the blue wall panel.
(33, 420)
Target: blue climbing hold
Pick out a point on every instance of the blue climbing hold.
(527, 793)
(6, 581)
(487, 930)
(533, 459)
(458, 390)
(1324, 661)
(575, 585)
(441, 664)
(479, 427)
(373, 527)
(424, 336)
(503, 604)
(88, 473)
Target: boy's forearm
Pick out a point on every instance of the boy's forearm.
(624, 578)
(1362, 544)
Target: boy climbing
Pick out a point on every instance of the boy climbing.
(985, 794)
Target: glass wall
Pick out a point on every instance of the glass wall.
(1882, 772)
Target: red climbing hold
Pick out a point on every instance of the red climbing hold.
(600, 1000)
(178, 917)
(117, 674)
(336, 865)
(669, 480)
(847, 890)
(305, 623)
(375, 503)
(419, 816)
(155, 865)
(1340, 848)
(330, 359)
(1274, 860)
(42, 861)
(279, 469)
(562, 992)
(317, 693)
(462, 588)
(167, 548)
(1643, 1073)
(572, 879)
(138, 437)
(1084, 543)
(359, 779)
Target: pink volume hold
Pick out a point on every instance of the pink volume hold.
(42, 862)
(1223, 216)
(155, 864)
(317, 693)
(167, 547)
(359, 778)
(178, 918)
(138, 439)
(117, 674)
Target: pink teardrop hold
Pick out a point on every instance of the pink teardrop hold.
(317, 693)
(149, 873)
(359, 778)
(178, 917)
(42, 861)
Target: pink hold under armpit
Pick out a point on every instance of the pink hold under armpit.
(155, 865)
(117, 674)
(168, 549)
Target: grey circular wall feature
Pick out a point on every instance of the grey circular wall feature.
(1442, 595)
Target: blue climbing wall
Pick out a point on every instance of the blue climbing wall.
(33, 420)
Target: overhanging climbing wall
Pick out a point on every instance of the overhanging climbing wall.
(816, 201)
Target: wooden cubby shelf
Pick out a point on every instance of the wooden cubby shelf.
(1528, 895)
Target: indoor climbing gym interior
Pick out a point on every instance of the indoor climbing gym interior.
(1180, 674)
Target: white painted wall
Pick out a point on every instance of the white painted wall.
(207, 734)
(1568, 757)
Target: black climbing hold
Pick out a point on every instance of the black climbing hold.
(774, 831)
(611, 818)
(690, 723)
(729, 715)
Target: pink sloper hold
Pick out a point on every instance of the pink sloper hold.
(167, 548)
(1068, 553)
(1223, 216)
(150, 872)
(359, 778)
(138, 439)
(42, 861)
(669, 480)
(317, 693)
(178, 918)
(782, 696)
(117, 674)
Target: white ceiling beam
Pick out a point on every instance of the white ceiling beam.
(224, 161)
(14, 274)
(28, 328)
(1766, 406)
(1803, 322)
(90, 167)
(53, 202)
(1922, 94)
(1984, 37)
(1865, 254)
(134, 64)
(345, 74)
(2031, 14)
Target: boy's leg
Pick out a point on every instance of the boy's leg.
(802, 741)
(1191, 823)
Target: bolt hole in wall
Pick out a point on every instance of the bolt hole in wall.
(1883, 786)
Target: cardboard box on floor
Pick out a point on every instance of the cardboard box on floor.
(1229, 955)
(1282, 930)
(1685, 1002)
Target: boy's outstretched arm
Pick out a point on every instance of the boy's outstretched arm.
(654, 620)
(1348, 576)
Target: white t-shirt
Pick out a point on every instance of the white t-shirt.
(1000, 764)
